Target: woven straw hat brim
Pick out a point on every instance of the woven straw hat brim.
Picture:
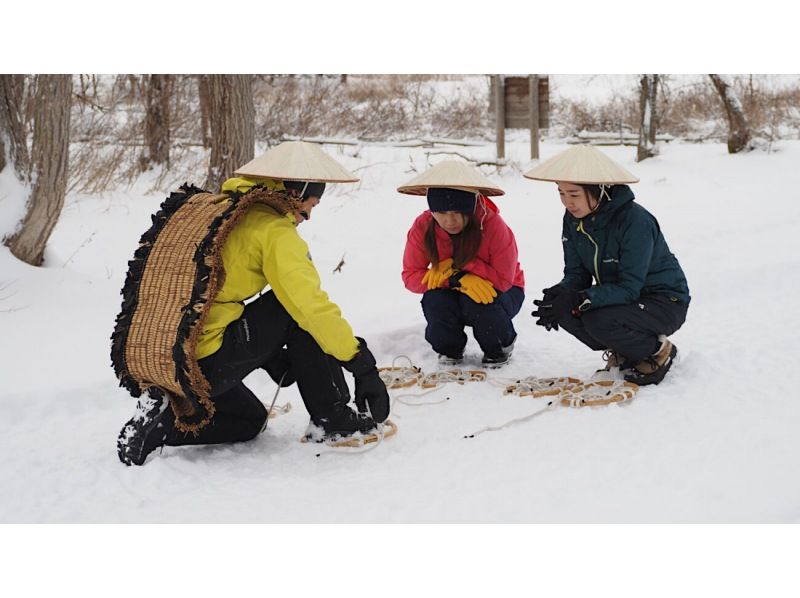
(453, 175)
(297, 161)
(582, 164)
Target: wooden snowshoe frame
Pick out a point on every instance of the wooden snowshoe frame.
(458, 376)
(573, 392)
(400, 377)
(389, 429)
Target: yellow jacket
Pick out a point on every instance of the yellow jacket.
(265, 249)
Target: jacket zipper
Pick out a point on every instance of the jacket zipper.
(596, 250)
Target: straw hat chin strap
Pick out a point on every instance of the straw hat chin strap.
(483, 205)
(603, 193)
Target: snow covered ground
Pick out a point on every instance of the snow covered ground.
(716, 442)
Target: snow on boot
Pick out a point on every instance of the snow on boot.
(343, 423)
(653, 369)
(615, 366)
(446, 361)
(146, 431)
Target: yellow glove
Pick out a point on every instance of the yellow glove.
(436, 276)
(476, 288)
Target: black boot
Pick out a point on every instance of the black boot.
(340, 423)
(146, 431)
(653, 369)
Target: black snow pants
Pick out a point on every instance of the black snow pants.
(249, 343)
(630, 330)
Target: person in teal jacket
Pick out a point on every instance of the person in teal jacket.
(623, 290)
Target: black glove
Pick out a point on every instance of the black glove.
(370, 389)
(552, 292)
(554, 307)
(279, 368)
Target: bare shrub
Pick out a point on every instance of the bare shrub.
(691, 111)
(365, 107)
(620, 113)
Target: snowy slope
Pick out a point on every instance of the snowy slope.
(713, 443)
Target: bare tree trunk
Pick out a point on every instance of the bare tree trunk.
(232, 118)
(202, 92)
(48, 167)
(648, 94)
(533, 99)
(157, 120)
(739, 131)
(500, 115)
(12, 128)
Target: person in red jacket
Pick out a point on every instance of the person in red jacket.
(462, 257)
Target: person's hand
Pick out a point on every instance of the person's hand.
(476, 288)
(549, 322)
(434, 277)
(279, 369)
(371, 394)
(551, 308)
(548, 294)
(554, 291)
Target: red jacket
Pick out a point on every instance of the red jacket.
(496, 260)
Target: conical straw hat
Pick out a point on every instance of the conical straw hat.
(297, 161)
(582, 164)
(451, 174)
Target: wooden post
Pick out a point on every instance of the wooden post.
(500, 115)
(533, 98)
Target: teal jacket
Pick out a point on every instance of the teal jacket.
(622, 248)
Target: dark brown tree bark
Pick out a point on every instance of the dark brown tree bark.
(158, 95)
(648, 124)
(738, 130)
(232, 124)
(202, 92)
(12, 109)
(46, 171)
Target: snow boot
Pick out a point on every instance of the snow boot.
(447, 361)
(614, 360)
(498, 360)
(652, 370)
(342, 423)
(146, 431)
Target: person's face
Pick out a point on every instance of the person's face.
(303, 213)
(576, 200)
(452, 222)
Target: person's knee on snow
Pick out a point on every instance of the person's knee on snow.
(266, 200)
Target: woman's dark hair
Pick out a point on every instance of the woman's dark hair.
(595, 192)
(465, 244)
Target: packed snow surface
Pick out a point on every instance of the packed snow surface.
(717, 441)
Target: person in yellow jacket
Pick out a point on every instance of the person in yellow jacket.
(293, 331)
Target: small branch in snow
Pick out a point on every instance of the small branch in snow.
(338, 267)
(82, 245)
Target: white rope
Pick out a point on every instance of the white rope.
(362, 448)
(550, 405)
(539, 387)
(447, 376)
(283, 409)
(397, 398)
